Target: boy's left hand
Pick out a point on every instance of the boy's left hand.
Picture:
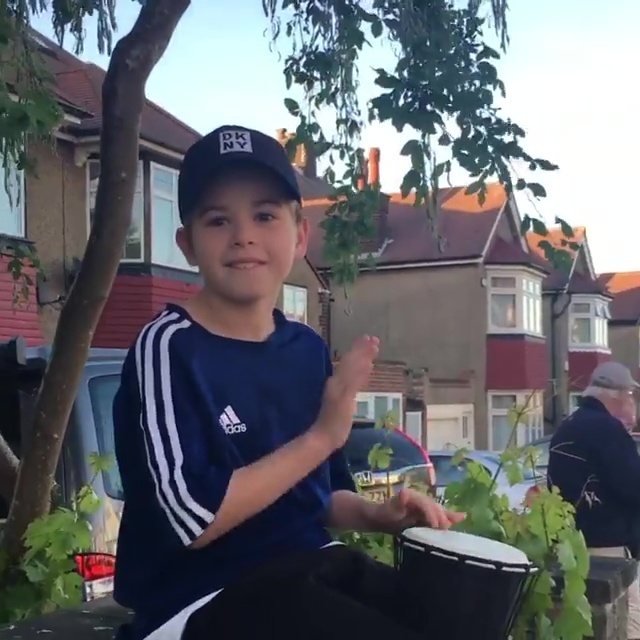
(410, 508)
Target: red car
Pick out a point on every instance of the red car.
(409, 463)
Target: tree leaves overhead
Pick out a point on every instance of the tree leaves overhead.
(441, 92)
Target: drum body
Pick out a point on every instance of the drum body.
(460, 586)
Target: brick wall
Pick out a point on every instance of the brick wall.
(516, 363)
(133, 302)
(581, 364)
(18, 318)
(387, 377)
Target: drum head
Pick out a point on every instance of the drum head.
(466, 544)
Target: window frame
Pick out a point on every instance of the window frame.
(521, 278)
(143, 218)
(295, 289)
(529, 429)
(21, 197)
(369, 398)
(599, 314)
(157, 166)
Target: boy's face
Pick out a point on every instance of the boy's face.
(244, 236)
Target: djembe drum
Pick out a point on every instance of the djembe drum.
(460, 586)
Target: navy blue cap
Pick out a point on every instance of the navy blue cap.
(225, 146)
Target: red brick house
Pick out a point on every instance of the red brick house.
(624, 325)
(53, 218)
(576, 316)
(462, 306)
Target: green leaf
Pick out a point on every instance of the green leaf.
(537, 190)
(87, 500)
(539, 227)
(380, 457)
(545, 165)
(386, 80)
(376, 28)
(525, 225)
(565, 227)
(101, 463)
(410, 147)
(566, 557)
(474, 187)
(292, 106)
(411, 181)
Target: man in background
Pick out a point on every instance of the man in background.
(594, 462)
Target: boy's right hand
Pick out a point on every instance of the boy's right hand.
(339, 400)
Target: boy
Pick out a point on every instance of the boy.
(229, 426)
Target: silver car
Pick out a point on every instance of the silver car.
(90, 431)
(446, 472)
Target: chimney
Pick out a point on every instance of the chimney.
(361, 181)
(305, 157)
(374, 167)
(381, 217)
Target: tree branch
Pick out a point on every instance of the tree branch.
(123, 98)
(8, 471)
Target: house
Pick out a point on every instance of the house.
(461, 306)
(624, 325)
(576, 316)
(53, 219)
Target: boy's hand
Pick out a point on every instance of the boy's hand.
(410, 508)
(339, 399)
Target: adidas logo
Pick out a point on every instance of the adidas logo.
(231, 423)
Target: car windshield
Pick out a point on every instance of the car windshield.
(542, 448)
(102, 390)
(447, 472)
(363, 439)
(527, 472)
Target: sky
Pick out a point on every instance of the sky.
(571, 76)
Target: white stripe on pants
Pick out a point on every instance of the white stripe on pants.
(633, 623)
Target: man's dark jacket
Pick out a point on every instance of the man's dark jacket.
(594, 462)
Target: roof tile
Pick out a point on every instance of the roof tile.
(624, 286)
(462, 232)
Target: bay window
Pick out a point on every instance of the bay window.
(505, 409)
(134, 245)
(12, 210)
(165, 219)
(294, 303)
(589, 323)
(515, 303)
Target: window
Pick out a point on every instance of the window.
(378, 406)
(294, 303)
(589, 323)
(503, 411)
(133, 248)
(413, 425)
(165, 219)
(102, 390)
(574, 401)
(515, 304)
(12, 200)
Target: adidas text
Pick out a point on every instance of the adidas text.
(234, 428)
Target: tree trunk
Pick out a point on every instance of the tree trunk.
(123, 97)
(8, 471)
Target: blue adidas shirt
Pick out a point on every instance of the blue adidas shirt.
(193, 407)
